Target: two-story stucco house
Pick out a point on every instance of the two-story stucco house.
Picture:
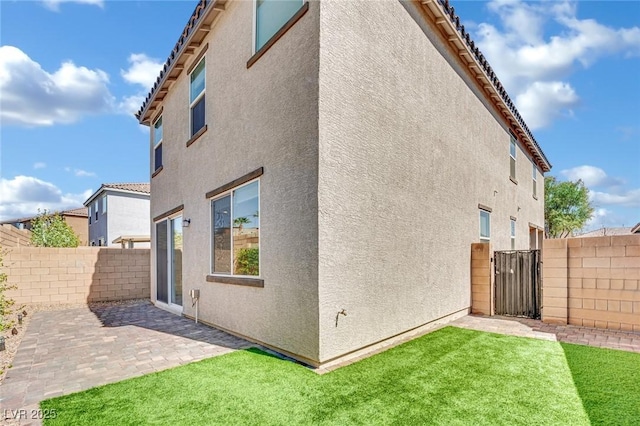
(119, 215)
(334, 160)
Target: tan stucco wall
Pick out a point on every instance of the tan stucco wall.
(264, 116)
(407, 152)
(80, 226)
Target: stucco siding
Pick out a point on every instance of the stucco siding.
(263, 116)
(407, 151)
(127, 214)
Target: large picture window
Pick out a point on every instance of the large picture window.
(197, 98)
(157, 144)
(235, 244)
(271, 15)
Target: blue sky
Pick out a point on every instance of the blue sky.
(73, 72)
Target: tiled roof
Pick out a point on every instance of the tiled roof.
(80, 211)
(607, 232)
(143, 188)
(195, 17)
(448, 10)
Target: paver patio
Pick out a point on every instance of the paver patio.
(76, 349)
(72, 350)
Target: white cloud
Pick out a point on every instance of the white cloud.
(629, 198)
(32, 96)
(142, 72)
(39, 165)
(542, 102)
(24, 195)
(591, 176)
(55, 4)
(532, 68)
(79, 172)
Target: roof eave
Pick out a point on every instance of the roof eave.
(486, 80)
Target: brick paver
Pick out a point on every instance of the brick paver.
(526, 327)
(72, 350)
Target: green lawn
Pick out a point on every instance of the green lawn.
(452, 376)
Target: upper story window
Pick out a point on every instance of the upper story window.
(95, 210)
(271, 16)
(512, 158)
(513, 234)
(196, 97)
(104, 204)
(534, 176)
(157, 144)
(485, 226)
(235, 231)
(90, 215)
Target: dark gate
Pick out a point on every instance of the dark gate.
(518, 283)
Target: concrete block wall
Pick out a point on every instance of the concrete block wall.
(481, 283)
(598, 278)
(76, 275)
(10, 236)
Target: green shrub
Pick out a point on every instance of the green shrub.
(247, 261)
(5, 303)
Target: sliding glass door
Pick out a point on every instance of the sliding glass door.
(169, 246)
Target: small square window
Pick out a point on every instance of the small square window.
(271, 15)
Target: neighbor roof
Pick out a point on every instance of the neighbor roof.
(140, 188)
(445, 20)
(80, 211)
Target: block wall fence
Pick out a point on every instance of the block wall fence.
(76, 275)
(593, 282)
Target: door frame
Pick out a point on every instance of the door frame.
(168, 306)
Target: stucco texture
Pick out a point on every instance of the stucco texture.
(407, 152)
(263, 116)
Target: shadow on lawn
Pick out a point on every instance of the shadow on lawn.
(145, 315)
(608, 382)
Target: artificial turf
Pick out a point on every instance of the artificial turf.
(452, 376)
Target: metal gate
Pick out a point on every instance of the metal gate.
(518, 283)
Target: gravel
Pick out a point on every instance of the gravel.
(12, 342)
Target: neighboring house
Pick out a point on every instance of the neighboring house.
(75, 218)
(608, 232)
(119, 215)
(334, 161)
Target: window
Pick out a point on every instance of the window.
(196, 98)
(95, 209)
(534, 175)
(157, 144)
(89, 215)
(271, 15)
(235, 239)
(104, 204)
(512, 159)
(513, 234)
(485, 226)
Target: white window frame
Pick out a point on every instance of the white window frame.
(534, 175)
(157, 144)
(197, 99)
(211, 201)
(90, 213)
(255, 24)
(513, 147)
(513, 234)
(488, 238)
(104, 203)
(96, 209)
(169, 305)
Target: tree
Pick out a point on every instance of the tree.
(239, 222)
(566, 207)
(51, 230)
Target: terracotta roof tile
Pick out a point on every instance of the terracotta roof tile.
(143, 188)
(80, 211)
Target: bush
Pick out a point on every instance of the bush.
(51, 230)
(5, 303)
(247, 261)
